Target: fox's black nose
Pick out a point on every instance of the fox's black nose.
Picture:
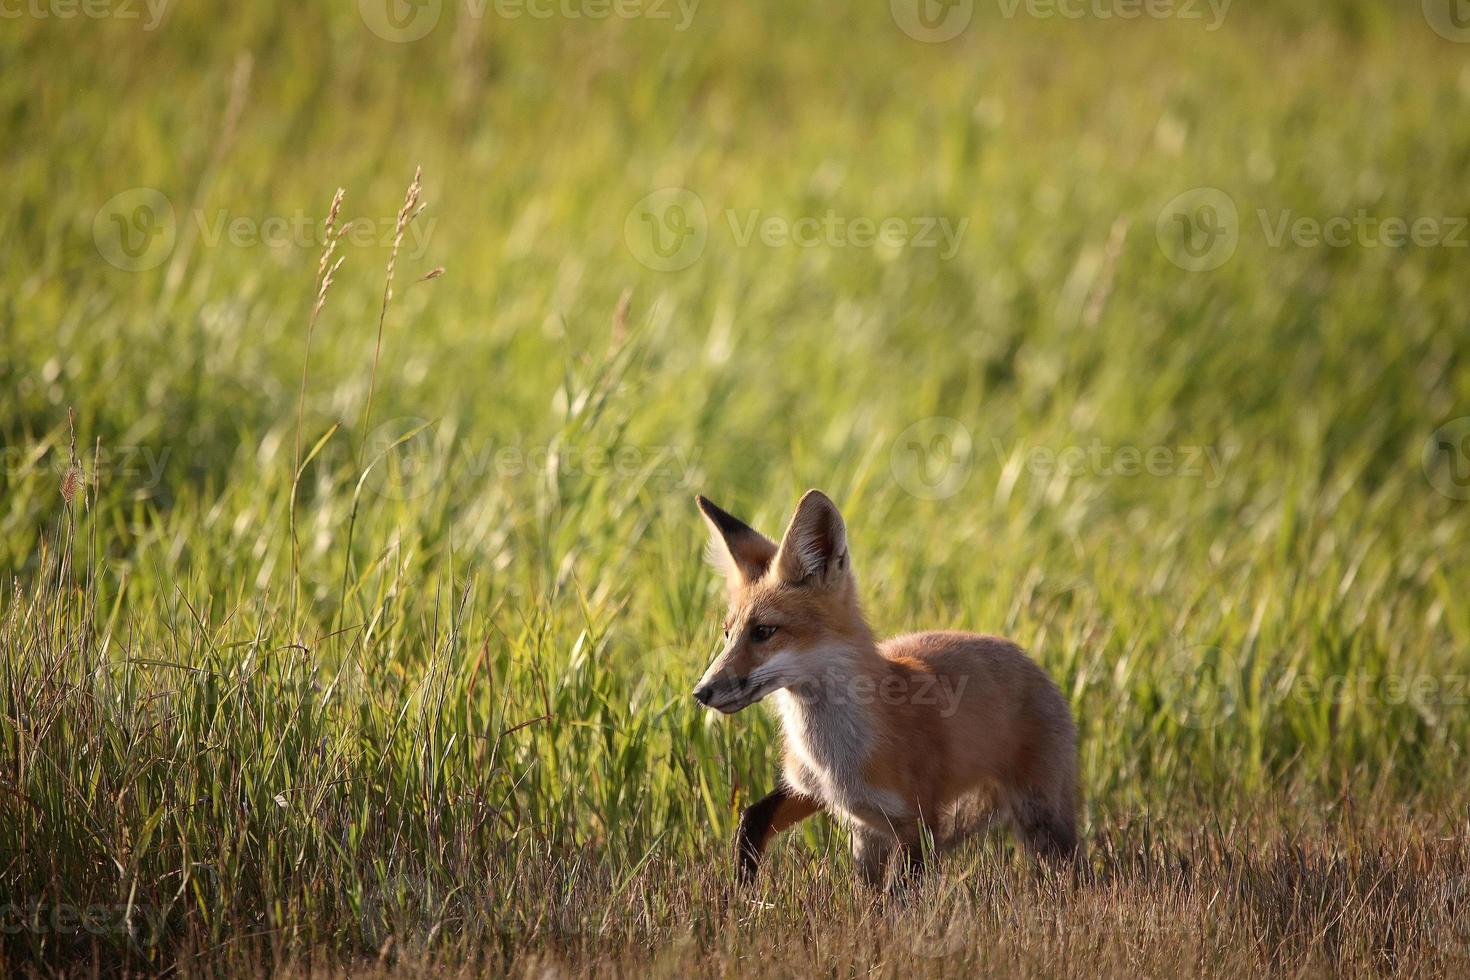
(702, 694)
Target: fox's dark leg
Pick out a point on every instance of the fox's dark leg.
(967, 818)
(912, 845)
(871, 850)
(1047, 830)
(765, 819)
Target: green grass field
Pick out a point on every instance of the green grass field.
(363, 640)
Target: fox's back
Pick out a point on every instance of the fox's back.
(1004, 718)
(957, 651)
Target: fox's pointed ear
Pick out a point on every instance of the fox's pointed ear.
(814, 548)
(738, 549)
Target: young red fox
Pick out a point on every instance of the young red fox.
(923, 731)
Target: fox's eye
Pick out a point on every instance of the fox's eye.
(761, 634)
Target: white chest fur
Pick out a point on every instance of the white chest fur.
(831, 743)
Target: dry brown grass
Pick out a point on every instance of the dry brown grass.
(1279, 894)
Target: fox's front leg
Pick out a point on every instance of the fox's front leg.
(873, 849)
(870, 852)
(912, 837)
(765, 819)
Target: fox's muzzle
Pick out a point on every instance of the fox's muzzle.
(727, 694)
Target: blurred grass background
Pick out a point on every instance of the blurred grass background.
(189, 722)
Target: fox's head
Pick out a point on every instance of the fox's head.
(793, 607)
